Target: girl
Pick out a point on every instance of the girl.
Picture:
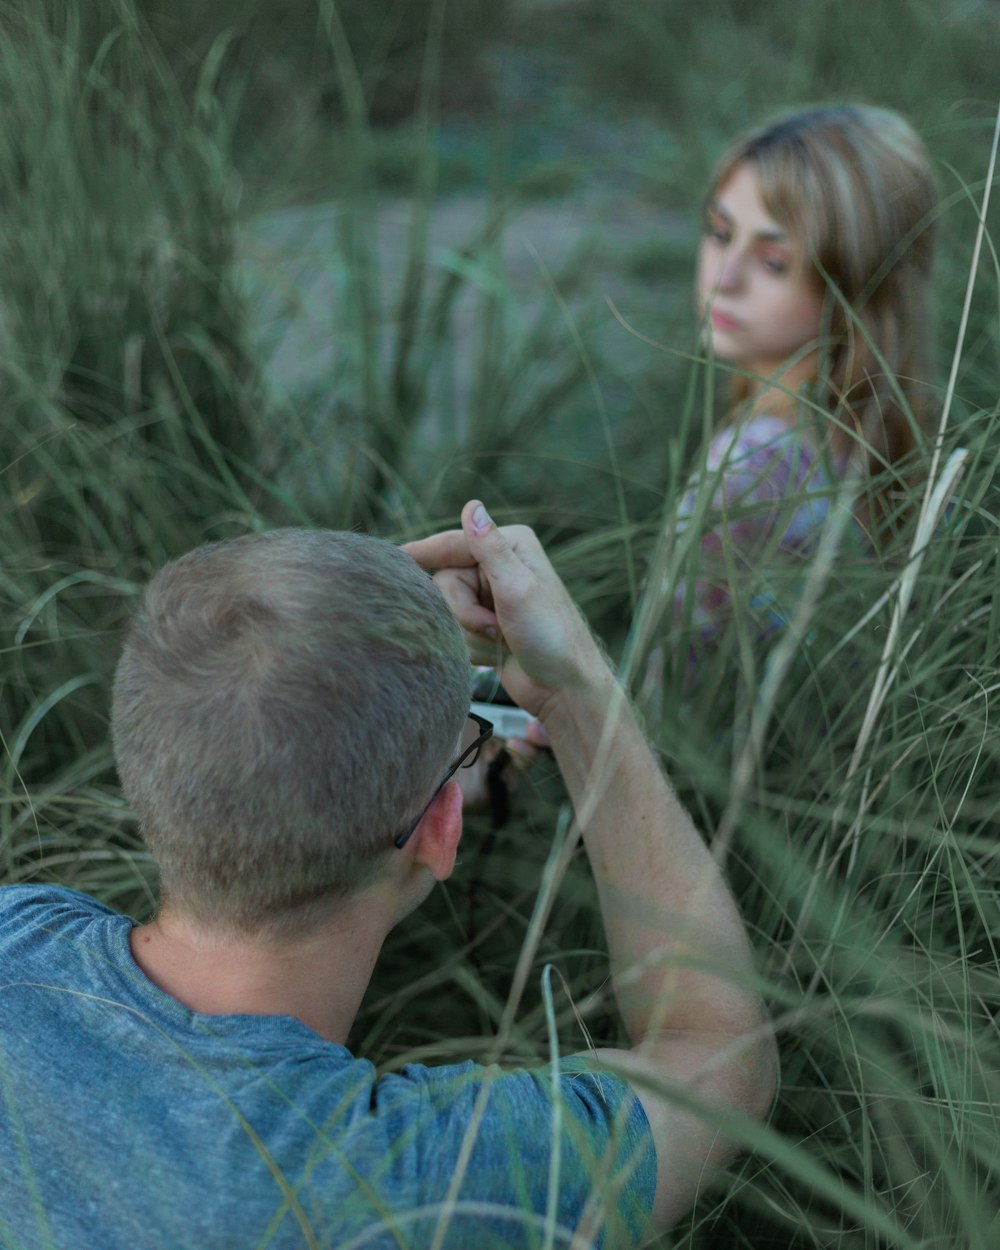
(812, 286)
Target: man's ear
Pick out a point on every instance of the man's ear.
(435, 839)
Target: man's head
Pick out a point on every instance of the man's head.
(284, 704)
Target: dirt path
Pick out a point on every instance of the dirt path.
(589, 247)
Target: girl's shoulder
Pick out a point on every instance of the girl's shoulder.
(772, 437)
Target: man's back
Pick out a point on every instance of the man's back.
(127, 1120)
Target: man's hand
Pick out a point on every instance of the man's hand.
(505, 592)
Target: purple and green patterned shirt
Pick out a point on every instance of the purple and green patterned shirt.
(762, 496)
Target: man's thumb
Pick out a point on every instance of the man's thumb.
(489, 545)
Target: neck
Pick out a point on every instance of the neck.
(777, 395)
(319, 978)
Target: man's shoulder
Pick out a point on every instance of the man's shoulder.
(575, 1088)
(576, 1117)
(44, 907)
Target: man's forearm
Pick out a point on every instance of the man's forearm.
(664, 902)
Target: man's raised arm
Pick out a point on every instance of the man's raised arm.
(679, 951)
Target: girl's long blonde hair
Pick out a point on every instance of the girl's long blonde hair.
(854, 184)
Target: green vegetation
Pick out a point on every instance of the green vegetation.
(855, 800)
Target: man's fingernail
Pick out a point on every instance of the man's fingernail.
(481, 519)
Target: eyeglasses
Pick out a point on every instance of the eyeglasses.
(465, 760)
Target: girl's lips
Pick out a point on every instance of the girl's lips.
(722, 321)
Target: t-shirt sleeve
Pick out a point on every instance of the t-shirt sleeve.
(504, 1155)
(33, 913)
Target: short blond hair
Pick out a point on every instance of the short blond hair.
(284, 704)
(854, 184)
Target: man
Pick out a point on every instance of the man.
(285, 710)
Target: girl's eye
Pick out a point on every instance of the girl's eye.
(775, 264)
(717, 231)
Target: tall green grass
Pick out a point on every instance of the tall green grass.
(137, 424)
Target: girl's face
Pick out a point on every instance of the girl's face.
(759, 302)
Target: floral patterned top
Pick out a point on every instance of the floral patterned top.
(764, 491)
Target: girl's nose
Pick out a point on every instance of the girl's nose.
(731, 271)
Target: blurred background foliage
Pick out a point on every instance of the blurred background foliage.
(349, 264)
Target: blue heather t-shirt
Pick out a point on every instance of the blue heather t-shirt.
(128, 1122)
